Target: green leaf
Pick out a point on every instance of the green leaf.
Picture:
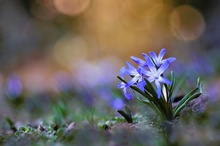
(173, 81)
(28, 129)
(146, 95)
(177, 111)
(11, 124)
(127, 118)
(199, 85)
(128, 111)
(139, 99)
(22, 129)
(121, 79)
(151, 105)
(159, 103)
(186, 97)
(150, 88)
(143, 101)
(178, 86)
(156, 104)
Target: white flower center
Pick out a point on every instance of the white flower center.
(155, 76)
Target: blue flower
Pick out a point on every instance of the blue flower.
(154, 74)
(137, 79)
(152, 69)
(158, 59)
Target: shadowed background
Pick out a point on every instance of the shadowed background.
(52, 45)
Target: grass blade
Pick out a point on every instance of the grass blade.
(125, 115)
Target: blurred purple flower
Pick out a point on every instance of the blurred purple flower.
(105, 94)
(201, 64)
(155, 74)
(14, 86)
(63, 81)
(117, 103)
(91, 75)
(110, 97)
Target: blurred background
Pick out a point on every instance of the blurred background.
(48, 47)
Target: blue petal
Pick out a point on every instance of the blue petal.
(130, 66)
(123, 71)
(163, 67)
(126, 94)
(145, 72)
(164, 80)
(145, 56)
(161, 54)
(131, 70)
(139, 70)
(171, 59)
(121, 85)
(138, 61)
(150, 79)
(154, 57)
(132, 81)
(151, 65)
(141, 85)
(158, 88)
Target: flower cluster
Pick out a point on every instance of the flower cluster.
(152, 69)
(155, 89)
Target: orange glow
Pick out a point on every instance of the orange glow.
(69, 50)
(140, 8)
(71, 7)
(140, 15)
(36, 76)
(117, 25)
(186, 23)
(44, 9)
(106, 11)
